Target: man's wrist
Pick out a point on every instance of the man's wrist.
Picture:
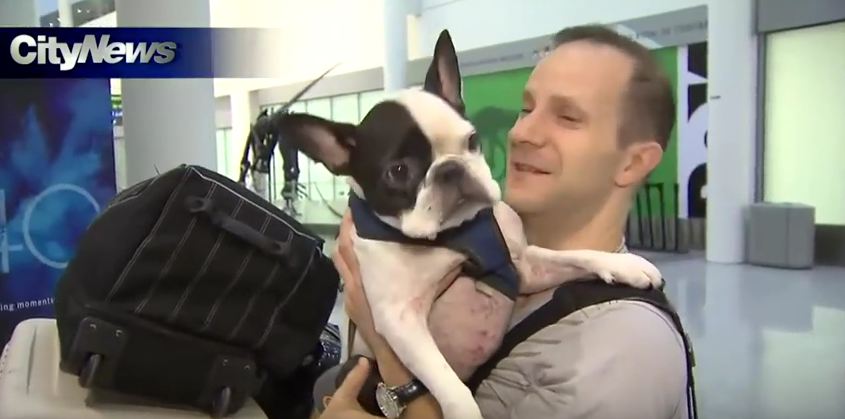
(395, 374)
(392, 371)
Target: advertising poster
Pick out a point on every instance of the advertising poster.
(692, 125)
(56, 173)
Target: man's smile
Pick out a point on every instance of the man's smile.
(521, 167)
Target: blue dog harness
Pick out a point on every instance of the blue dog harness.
(479, 239)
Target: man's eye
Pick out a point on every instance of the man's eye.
(569, 118)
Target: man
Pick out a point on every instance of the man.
(597, 115)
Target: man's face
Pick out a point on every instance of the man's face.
(564, 148)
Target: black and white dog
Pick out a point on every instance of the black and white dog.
(415, 160)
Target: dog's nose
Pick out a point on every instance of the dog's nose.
(449, 172)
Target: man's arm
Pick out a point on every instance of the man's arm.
(614, 360)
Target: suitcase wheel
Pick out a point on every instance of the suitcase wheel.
(89, 370)
(220, 404)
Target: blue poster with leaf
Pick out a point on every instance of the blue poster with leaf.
(56, 173)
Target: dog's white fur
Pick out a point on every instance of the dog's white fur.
(449, 135)
(400, 281)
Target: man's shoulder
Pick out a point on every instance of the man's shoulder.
(596, 308)
(630, 349)
(620, 321)
(613, 322)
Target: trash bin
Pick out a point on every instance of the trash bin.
(781, 235)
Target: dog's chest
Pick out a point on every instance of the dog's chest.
(397, 263)
(391, 262)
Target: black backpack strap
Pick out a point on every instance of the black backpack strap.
(573, 296)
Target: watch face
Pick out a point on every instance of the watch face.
(388, 402)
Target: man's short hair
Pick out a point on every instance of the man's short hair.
(648, 110)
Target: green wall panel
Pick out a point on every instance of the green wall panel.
(493, 102)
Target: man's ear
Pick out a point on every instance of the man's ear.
(324, 141)
(444, 77)
(641, 158)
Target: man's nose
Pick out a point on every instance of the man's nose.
(526, 131)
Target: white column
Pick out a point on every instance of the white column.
(395, 45)
(19, 13)
(244, 108)
(166, 122)
(732, 84)
(65, 13)
(244, 111)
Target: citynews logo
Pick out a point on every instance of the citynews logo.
(26, 50)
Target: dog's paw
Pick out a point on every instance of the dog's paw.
(629, 269)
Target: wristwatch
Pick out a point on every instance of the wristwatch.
(393, 400)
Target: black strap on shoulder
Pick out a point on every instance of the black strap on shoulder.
(573, 296)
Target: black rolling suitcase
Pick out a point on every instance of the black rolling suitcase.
(189, 289)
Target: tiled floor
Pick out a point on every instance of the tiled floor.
(769, 343)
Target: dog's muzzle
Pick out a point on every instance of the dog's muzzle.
(449, 172)
(457, 187)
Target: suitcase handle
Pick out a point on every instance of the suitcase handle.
(237, 228)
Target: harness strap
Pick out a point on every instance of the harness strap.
(479, 239)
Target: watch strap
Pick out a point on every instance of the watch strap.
(411, 391)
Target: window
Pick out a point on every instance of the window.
(804, 128)
(367, 100)
(320, 184)
(229, 153)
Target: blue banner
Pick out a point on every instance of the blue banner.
(106, 53)
(150, 53)
(57, 172)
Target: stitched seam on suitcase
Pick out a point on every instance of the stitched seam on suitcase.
(148, 239)
(117, 202)
(284, 302)
(233, 282)
(208, 259)
(172, 259)
(247, 199)
(252, 299)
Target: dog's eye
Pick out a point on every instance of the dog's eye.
(398, 173)
(474, 143)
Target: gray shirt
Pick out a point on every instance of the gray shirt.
(620, 359)
(614, 360)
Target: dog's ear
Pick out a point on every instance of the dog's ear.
(444, 77)
(324, 141)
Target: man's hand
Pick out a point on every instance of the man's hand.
(344, 403)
